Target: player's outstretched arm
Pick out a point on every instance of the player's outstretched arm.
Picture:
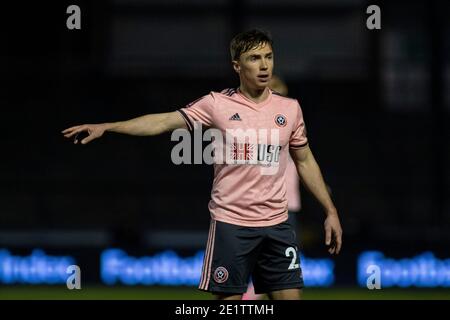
(310, 175)
(147, 125)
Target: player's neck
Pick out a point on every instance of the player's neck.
(256, 95)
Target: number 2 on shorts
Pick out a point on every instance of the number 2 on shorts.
(289, 251)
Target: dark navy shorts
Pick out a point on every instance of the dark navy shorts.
(235, 253)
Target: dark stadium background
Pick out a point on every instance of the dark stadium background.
(376, 104)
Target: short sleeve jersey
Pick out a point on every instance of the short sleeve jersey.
(249, 187)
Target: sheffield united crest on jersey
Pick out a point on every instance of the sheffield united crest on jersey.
(220, 275)
(280, 120)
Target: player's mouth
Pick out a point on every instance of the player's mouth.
(263, 77)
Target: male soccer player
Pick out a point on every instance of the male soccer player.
(248, 234)
(277, 85)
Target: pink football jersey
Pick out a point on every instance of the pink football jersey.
(249, 187)
(292, 187)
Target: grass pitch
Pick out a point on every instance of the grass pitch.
(96, 292)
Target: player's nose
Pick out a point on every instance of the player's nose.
(264, 64)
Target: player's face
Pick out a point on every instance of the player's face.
(255, 67)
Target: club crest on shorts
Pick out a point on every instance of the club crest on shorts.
(220, 275)
(280, 120)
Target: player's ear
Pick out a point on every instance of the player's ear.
(236, 66)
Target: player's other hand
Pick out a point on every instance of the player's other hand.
(333, 233)
(93, 131)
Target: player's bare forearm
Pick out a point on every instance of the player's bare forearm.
(310, 174)
(312, 178)
(147, 125)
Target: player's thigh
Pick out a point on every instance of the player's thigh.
(286, 294)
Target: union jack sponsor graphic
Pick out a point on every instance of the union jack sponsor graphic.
(242, 151)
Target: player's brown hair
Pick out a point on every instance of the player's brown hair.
(248, 40)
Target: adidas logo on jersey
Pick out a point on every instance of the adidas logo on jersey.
(235, 117)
